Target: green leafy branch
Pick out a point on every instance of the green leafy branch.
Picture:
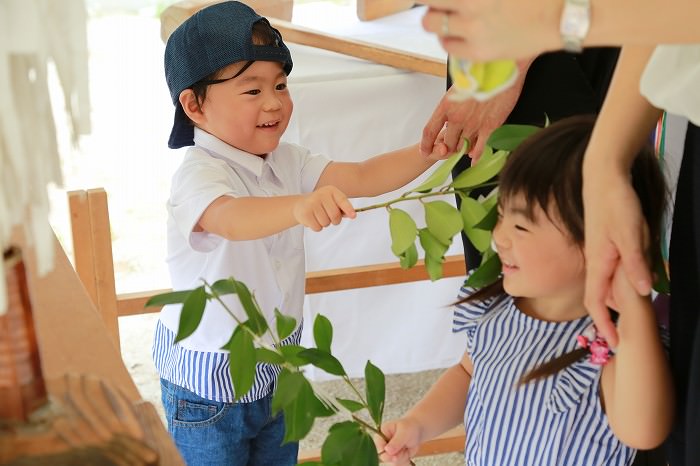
(348, 442)
(476, 217)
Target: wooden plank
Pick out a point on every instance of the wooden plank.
(323, 282)
(104, 261)
(73, 338)
(379, 54)
(450, 441)
(174, 15)
(372, 9)
(83, 247)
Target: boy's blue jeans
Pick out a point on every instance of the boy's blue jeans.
(211, 433)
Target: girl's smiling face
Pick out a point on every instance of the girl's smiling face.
(541, 262)
(250, 112)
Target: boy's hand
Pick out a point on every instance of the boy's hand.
(327, 205)
(404, 440)
(440, 149)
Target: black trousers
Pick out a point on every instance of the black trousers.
(684, 442)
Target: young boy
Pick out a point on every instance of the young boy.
(237, 207)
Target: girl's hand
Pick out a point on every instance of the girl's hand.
(327, 205)
(404, 440)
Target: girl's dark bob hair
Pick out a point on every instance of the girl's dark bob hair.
(546, 169)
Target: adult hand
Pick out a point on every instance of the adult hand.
(469, 119)
(483, 30)
(616, 235)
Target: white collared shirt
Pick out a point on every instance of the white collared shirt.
(273, 267)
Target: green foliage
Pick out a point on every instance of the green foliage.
(443, 221)
(348, 442)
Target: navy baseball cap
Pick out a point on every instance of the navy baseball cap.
(208, 41)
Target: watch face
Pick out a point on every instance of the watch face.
(575, 21)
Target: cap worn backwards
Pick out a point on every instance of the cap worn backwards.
(210, 40)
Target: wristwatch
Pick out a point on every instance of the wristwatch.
(574, 24)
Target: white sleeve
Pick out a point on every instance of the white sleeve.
(312, 167)
(196, 184)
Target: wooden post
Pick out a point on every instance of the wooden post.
(92, 247)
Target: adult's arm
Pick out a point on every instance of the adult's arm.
(615, 228)
(490, 29)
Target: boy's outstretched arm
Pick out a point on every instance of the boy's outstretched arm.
(440, 409)
(247, 218)
(380, 174)
(637, 389)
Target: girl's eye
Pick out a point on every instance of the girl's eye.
(253, 92)
(281, 87)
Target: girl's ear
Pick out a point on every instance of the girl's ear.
(191, 107)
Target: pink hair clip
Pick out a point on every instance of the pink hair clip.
(596, 345)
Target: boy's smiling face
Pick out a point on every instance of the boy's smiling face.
(251, 111)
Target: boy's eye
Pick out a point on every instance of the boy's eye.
(253, 92)
(281, 86)
(520, 228)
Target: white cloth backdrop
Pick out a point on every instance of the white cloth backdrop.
(349, 110)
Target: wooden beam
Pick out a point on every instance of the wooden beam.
(323, 281)
(379, 54)
(175, 14)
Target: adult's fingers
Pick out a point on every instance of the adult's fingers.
(433, 127)
(600, 267)
(634, 263)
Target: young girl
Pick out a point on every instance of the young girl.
(536, 385)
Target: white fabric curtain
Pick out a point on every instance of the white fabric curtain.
(34, 33)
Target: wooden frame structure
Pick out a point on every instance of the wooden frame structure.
(94, 264)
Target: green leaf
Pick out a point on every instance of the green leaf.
(291, 354)
(443, 220)
(375, 390)
(433, 267)
(323, 333)
(490, 219)
(432, 246)
(351, 405)
(440, 175)
(348, 444)
(268, 356)
(323, 360)
(243, 364)
(224, 286)
(174, 297)
(257, 321)
(191, 314)
(508, 137)
(285, 324)
(301, 409)
(486, 274)
(409, 258)
(473, 213)
(487, 167)
(287, 389)
(661, 282)
(403, 231)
